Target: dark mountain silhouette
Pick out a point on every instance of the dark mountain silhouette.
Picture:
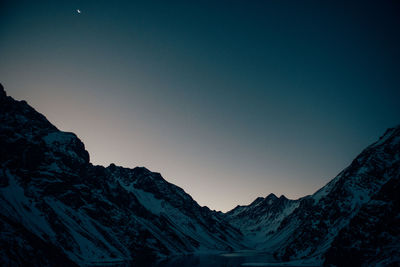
(56, 207)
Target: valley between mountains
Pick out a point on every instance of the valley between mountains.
(58, 209)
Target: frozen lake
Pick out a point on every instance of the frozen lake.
(238, 258)
(228, 259)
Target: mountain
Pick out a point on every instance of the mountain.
(346, 217)
(372, 236)
(56, 208)
(261, 218)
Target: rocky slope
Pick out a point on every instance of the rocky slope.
(311, 228)
(261, 218)
(324, 224)
(372, 238)
(55, 203)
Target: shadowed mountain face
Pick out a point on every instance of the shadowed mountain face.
(261, 218)
(56, 208)
(312, 227)
(372, 236)
(54, 203)
(345, 216)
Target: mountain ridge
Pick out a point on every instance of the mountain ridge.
(91, 213)
(57, 204)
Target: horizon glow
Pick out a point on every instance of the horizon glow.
(228, 100)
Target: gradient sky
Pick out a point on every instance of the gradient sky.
(229, 100)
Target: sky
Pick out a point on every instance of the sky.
(230, 100)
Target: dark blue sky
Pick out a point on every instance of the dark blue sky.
(228, 99)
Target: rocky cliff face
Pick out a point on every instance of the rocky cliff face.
(55, 203)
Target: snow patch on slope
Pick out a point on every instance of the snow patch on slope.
(22, 209)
